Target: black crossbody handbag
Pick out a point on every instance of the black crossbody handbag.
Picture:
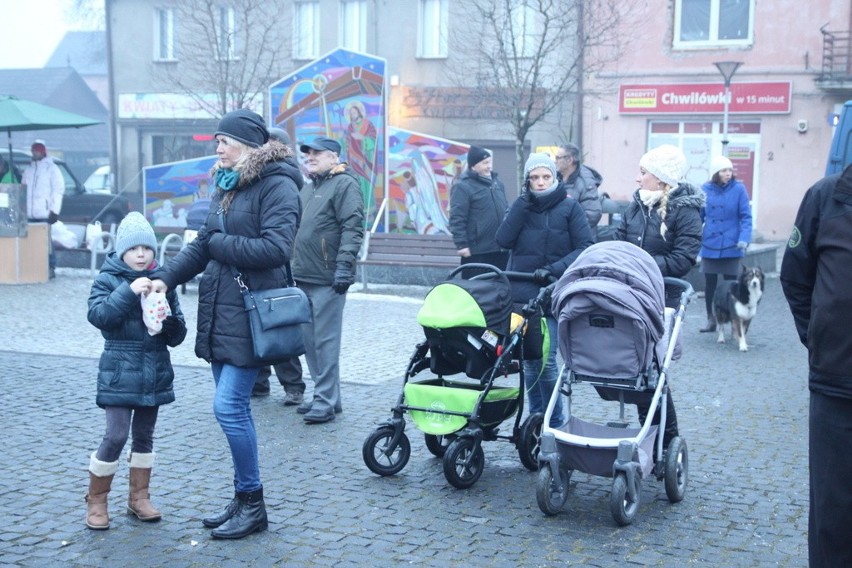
(275, 316)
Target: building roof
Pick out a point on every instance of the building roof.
(84, 51)
(62, 88)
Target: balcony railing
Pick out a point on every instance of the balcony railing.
(836, 60)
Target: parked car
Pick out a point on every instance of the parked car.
(100, 181)
(80, 205)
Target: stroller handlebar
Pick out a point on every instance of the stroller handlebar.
(677, 284)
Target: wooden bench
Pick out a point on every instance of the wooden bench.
(399, 251)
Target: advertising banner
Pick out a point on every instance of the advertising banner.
(174, 191)
(705, 98)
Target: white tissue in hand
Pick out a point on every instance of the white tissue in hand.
(155, 308)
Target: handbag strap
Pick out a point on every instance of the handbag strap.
(220, 214)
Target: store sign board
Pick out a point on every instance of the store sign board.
(705, 98)
(169, 106)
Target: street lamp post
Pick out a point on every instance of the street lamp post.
(727, 69)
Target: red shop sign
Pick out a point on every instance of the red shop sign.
(705, 98)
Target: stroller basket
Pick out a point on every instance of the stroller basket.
(441, 407)
(598, 460)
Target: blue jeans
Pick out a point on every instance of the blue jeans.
(541, 381)
(233, 412)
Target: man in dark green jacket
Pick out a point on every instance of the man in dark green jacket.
(324, 254)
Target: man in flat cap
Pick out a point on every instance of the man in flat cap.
(324, 254)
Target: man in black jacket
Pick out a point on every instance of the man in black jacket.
(815, 276)
(477, 206)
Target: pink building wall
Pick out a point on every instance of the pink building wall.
(787, 46)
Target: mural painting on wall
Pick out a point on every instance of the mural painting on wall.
(175, 192)
(341, 96)
(421, 171)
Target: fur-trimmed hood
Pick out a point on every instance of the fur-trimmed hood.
(258, 161)
(341, 168)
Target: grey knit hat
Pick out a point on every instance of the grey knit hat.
(133, 231)
(539, 160)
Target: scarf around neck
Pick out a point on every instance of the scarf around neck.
(227, 178)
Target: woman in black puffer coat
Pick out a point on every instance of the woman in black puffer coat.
(545, 230)
(664, 219)
(257, 200)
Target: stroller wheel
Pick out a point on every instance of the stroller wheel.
(677, 469)
(623, 509)
(464, 461)
(529, 443)
(437, 445)
(380, 457)
(551, 496)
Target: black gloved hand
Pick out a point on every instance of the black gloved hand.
(542, 276)
(52, 218)
(171, 326)
(344, 277)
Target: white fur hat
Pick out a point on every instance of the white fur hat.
(719, 163)
(666, 162)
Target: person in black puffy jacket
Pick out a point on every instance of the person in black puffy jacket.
(135, 372)
(545, 230)
(664, 219)
(251, 226)
(815, 275)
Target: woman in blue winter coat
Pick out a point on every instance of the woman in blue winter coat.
(545, 231)
(727, 230)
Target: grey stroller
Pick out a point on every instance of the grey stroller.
(616, 334)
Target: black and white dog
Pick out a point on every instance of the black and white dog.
(736, 303)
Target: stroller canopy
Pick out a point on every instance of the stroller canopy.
(613, 277)
(483, 302)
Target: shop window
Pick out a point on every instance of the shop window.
(713, 23)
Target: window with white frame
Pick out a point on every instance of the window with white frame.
(226, 33)
(432, 32)
(522, 27)
(353, 24)
(306, 30)
(164, 34)
(711, 23)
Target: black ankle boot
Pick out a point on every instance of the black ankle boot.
(250, 516)
(221, 518)
(709, 326)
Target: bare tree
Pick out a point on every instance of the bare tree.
(531, 55)
(231, 50)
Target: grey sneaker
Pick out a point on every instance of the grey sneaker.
(306, 406)
(293, 398)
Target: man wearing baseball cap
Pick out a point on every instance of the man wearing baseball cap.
(327, 244)
(45, 188)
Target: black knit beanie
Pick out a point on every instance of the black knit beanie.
(245, 126)
(476, 155)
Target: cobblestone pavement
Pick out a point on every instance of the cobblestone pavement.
(743, 414)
